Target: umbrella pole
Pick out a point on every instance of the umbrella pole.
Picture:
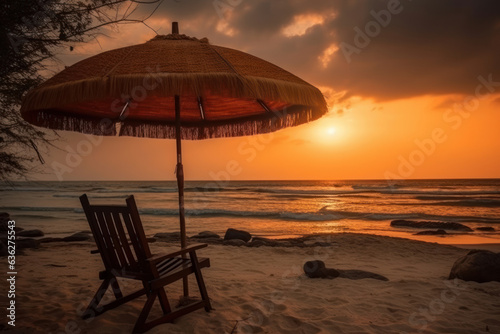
(180, 183)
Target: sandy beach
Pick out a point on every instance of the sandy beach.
(264, 290)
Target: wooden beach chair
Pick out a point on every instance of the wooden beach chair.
(124, 250)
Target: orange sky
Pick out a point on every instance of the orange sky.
(406, 117)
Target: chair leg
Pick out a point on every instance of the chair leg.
(200, 281)
(144, 326)
(93, 307)
(140, 325)
(165, 305)
(116, 288)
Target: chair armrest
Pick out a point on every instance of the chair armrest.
(188, 249)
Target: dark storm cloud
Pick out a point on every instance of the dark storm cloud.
(428, 47)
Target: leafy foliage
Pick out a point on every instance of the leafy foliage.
(32, 32)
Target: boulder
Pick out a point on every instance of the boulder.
(317, 269)
(30, 233)
(431, 232)
(478, 265)
(234, 242)
(430, 225)
(206, 234)
(486, 229)
(77, 237)
(231, 233)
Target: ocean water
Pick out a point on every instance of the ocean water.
(273, 209)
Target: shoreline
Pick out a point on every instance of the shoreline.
(458, 240)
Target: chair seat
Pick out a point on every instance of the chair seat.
(171, 265)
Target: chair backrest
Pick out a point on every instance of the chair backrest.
(118, 233)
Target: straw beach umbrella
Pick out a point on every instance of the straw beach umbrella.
(173, 86)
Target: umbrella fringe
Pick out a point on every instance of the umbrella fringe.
(273, 121)
(139, 86)
(245, 128)
(68, 122)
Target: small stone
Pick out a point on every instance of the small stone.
(486, 229)
(217, 241)
(257, 243)
(206, 234)
(234, 242)
(266, 241)
(231, 233)
(437, 232)
(431, 224)
(31, 233)
(317, 269)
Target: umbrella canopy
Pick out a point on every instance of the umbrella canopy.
(173, 86)
(224, 92)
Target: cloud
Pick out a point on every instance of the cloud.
(448, 102)
(427, 48)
